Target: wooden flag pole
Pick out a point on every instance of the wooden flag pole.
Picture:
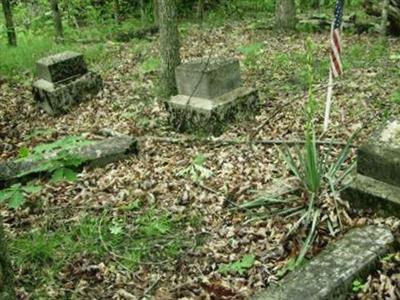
(328, 101)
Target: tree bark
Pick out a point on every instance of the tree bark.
(285, 15)
(7, 291)
(59, 31)
(169, 46)
(156, 11)
(385, 17)
(12, 36)
(117, 16)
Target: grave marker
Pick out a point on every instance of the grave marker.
(64, 80)
(210, 96)
(377, 182)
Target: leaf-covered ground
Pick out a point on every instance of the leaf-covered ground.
(135, 229)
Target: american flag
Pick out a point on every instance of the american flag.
(336, 47)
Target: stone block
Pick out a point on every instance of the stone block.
(61, 66)
(208, 78)
(379, 158)
(368, 193)
(211, 115)
(56, 98)
(330, 275)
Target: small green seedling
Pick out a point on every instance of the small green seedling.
(15, 194)
(196, 170)
(358, 286)
(240, 266)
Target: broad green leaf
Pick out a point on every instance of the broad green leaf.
(31, 189)
(23, 152)
(63, 174)
(16, 199)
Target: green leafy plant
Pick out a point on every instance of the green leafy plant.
(57, 158)
(196, 170)
(14, 196)
(358, 286)
(251, 52)
(240, 266)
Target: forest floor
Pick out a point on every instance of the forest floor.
(136, 229)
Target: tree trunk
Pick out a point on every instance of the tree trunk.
(59, 32)
(285, 14)
(385, 17)
(200, 9)
(117, 16)
(169, 46)
(156, 11)
(12, 36)
(7, 291)
(142, 12)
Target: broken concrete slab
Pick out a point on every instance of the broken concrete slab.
(57, 98)
(61, 66)
(95, 154)
(371, 194)
(208, 78)
(330, 275)
(379, 158)
(212, 115)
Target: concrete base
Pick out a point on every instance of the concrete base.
(57, 98)
(211, 115)
(379, 158)
(368, 193)
(330, 275)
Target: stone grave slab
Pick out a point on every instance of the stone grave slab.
(64, 80)
(208, 79)
(377, 182)
(330, 275)
(210, 96)
(96, 154)
(61, 66)
(371, 194)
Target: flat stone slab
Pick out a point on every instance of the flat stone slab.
(379, 158)
(330, 275)
(61, 66)
(211, 115)
(368, 193)
(57, 98)
(208, 79)
(96, 154)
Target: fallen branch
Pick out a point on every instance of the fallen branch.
(138, 34)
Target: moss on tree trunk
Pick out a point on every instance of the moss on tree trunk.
(169, 45)
(285, 15)
(12, 36)
(59, 32)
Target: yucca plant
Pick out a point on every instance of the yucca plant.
(315, 171)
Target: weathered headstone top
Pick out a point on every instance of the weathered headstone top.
(64, 80)
(376, 185)
(208, 78)
(379, 157)
(330, 275)
(61, 66)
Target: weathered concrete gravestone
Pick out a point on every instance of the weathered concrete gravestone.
(210, 96)
(330, 275)
(64, 80)
(377, 182)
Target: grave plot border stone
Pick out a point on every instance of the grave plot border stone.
(330, 275)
